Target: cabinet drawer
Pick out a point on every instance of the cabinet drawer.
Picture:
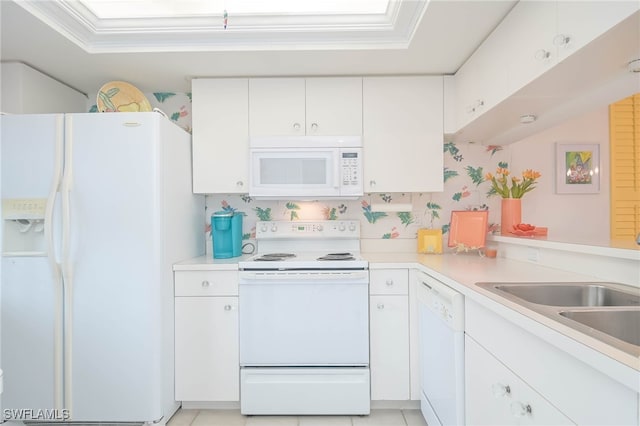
(389, 281)
(206, 283)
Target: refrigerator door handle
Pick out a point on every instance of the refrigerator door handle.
(67, 273)
(58, 350)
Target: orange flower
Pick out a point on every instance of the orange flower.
(531, 174)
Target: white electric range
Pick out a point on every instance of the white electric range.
(304, 320)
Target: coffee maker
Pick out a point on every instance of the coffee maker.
(226, 231)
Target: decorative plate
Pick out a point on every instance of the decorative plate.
(468, 228)
(119, 96)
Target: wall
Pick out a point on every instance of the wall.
(572, 217)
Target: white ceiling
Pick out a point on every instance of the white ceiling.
(448, 33)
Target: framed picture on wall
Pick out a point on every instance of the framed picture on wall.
(577, 168)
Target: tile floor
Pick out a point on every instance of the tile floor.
(234, 418)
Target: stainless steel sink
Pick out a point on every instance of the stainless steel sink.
(572, 294)
(623, 324)
(609, 312)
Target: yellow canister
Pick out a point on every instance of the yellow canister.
(430, 241)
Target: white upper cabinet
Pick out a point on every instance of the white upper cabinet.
(403, 134)
(311, 106)
(276, 106)
(581, 22)
(483, 81)
(220, 135)
(523, 51)
(334, 106)
(528, 32)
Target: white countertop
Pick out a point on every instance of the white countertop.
(462, 271)
(609, 248)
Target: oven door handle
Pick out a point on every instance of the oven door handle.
(334, 277)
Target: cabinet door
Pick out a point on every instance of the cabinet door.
(220, 136)
(334, 106)
(496, 396)
(529, 30)
(581, 22)
(276, 106)
(206, 355)
(403, 134)
(389, 339)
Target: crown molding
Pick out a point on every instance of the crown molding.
(72, 19)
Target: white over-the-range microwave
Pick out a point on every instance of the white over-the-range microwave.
(306, 167)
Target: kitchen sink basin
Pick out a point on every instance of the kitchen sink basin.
(609, 312)
(622, 324)
(573, 294)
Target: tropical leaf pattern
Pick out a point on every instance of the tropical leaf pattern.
(226, 207)
(264, 214)
(372, 217)
(330, 213)
(406, 218)
(393, 234)
(476, 174)
(293, 210)
(163, 96)
(454, 151)
(448, 174)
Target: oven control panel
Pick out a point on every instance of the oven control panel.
(308, 229)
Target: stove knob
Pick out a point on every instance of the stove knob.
(263, 228)
(274, 228)
(341, 227)
(352, 227)
(319, 228)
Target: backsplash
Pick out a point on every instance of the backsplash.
(465, 166)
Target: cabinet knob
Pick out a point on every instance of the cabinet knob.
(227, 307)
(519, 409)
(206, 283)
(314, 127)
(380, 306)
(240, 183)
(499, 390)
(561, 40)
(542, 54)
(296, 126)
(389, 282)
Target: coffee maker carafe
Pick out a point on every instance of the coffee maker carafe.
(226, 231)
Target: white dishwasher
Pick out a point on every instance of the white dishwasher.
(441, 352)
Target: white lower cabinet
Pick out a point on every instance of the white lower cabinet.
(496, 396)
(513, 372)
(389, 334)
(206, 336)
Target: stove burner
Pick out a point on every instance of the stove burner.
(337, 256)
(275, 256)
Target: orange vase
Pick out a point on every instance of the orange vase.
(510, 214)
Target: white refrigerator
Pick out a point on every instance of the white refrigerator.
(95, 210)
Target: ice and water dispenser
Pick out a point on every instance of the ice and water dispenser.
(226, 231)
(23, 227)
